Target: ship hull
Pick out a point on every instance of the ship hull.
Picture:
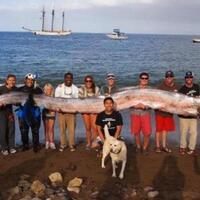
(52, 33)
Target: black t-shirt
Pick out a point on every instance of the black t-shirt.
(4, 90)
(192, 92)
(113, 120)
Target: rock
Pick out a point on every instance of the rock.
(134, 193)
(24, 177)
(27, 197)
(38, 188)
(36, 198)
(152, 194)
(74, 189)
(56, 179)
(94, 194)
(74, 185)
(24, 185)
(49, 191)
(76, 182)
(14, 191)
(148, 188)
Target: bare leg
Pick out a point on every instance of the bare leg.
(137, 140)
(158, 138)
(87, 123)
(94, 127)
(164, 138)
(51, 130)
(146, 141)
(121, 175)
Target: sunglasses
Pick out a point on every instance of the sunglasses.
(144, 78)
(88, 81)
(189, 77)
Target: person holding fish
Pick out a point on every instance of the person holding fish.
(188, 123)
(29, 115)
(164, 120)
(140, 118)
(67, 120)
(7, 121)
(89, 90)
(48, 117)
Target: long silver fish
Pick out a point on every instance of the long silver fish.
(156, 99)
(13, 98)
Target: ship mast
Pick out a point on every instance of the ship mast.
(63, 21)
(43, 18)
(52, 22)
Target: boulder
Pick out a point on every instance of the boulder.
(56, 179)
(74, 185)
(38, 188)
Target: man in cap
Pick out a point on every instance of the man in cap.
(165, 121)
(111, 87)
(188, 123)
(29, 115)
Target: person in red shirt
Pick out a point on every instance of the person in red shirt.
(165, 121)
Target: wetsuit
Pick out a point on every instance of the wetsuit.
(29, 117)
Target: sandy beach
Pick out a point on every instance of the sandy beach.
(172, 175)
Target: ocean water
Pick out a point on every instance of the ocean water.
(95, 54)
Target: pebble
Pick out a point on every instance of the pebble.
(152, 194)
(94, 194)
(148, 188)
(38, 188)
(24, 184)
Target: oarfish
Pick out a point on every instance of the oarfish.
(13, 98)
(153, 98)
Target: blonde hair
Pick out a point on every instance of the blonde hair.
(47, 85)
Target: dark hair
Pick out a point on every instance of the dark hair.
(144, 74)
(68, 74)
(10, 76)
(108, 98)
(93, 84)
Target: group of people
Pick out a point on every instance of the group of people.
(29, 115)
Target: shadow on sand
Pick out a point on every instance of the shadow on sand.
(116, 189)
(169, 180)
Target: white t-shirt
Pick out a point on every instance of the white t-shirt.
(66, 92)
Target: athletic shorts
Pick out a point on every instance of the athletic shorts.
(164, 123)
(140, 123)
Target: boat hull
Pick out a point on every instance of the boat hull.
(115, 37)
(196, 40)
(50, 33)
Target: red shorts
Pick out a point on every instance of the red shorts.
(140, 123)
(164, 123)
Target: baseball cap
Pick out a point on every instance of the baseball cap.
(30, 76)
(110, 76)
(169, 74)
(144, 74)
(188, 74)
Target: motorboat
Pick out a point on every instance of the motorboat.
(117, 35)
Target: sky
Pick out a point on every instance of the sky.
(101, 16)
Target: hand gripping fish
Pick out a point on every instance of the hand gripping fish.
(153, 98)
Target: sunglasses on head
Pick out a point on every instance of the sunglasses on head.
(144, 78)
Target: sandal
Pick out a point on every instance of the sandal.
(182, 151)
(158, 150)
(166, 150)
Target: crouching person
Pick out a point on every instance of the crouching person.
(7, 121)
(111, 118)
(29, 115)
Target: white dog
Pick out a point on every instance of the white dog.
(117, 150)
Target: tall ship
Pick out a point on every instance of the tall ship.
(51, 32)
